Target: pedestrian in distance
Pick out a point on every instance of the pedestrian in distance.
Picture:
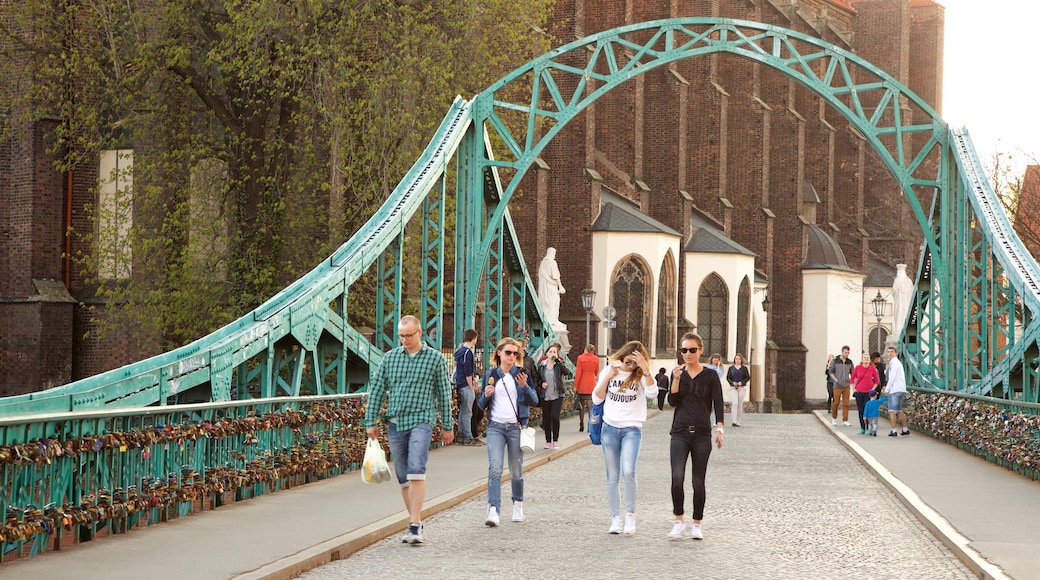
(830, 381)
(875, 359)
(841, 374)
(872, 412)
(506, 398)
(865, 380)
(466, 386)
(695, 392)
(739, 377)
(412, 380)
(550, 393)
(662, 387)
(716, 365)
(585, 374)
(623, 388)
(896, 391)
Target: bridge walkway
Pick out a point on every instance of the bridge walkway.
(788, 496)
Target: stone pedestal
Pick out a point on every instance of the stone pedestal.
(562, 337)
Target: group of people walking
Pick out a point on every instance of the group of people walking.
(421, 388)
(871, 386)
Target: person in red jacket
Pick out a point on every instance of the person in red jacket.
(585, 381)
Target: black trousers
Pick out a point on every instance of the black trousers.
(551, 419)
(684, 446)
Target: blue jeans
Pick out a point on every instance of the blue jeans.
(503, 437)
(465, 412)
(409, 451)
(620, 452)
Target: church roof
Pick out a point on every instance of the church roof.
(614, 217)
(879, 273)
(707, 237)
(823, 253)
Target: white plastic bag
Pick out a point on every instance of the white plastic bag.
(375, 468)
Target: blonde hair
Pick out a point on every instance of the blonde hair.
(506, 341)
(633, 381)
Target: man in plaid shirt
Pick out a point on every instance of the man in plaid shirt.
(413, 381)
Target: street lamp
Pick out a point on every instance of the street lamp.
(588, 302)
(879, 311)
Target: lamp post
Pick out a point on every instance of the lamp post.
(588, 302)
(879, 311)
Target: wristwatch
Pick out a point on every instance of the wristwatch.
(720, 430)
(649, 374)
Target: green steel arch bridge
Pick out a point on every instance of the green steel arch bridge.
(288, 374)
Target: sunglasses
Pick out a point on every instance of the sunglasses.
(630, 363)
(510, 352)
(688, 350)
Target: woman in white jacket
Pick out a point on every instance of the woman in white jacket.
(623, 387)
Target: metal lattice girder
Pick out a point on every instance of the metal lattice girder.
(432, 299)
(388, 292)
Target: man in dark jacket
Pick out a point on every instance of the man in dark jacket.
(466, 385)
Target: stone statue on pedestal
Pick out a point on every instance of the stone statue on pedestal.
(902, 294)
(550, 287)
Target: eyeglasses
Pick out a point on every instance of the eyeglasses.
(510, 352)
(404, 336)
(692, 349)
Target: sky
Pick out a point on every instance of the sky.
(990, 83)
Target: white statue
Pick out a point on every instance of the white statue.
(902, 294)
(549, 289)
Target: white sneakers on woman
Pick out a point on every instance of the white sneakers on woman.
(615, 525)
(492, 517)
(677, 530)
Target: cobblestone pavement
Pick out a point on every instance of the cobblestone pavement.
(785, 500)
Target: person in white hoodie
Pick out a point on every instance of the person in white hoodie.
(623, 387)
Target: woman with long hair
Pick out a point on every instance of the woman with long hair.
(695, 391)
(739, 377)
(550, 393)
(506, 398)
(623, 387)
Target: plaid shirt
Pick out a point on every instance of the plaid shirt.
(414, 387)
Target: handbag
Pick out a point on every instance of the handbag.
(527, 439)
(526, 433)
(596, 423)
(374, 469)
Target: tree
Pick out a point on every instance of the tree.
(263, 132)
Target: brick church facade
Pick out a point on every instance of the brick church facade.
(738, 140)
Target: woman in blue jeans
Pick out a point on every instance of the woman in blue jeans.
(506, 398)
(695, 391)
(623, 387)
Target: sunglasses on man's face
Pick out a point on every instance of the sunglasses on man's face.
(689, 350)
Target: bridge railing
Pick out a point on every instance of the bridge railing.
(68, 477)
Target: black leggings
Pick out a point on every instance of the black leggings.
(551, 419)
(682, 447)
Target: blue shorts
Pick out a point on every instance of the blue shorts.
(409, 451)
(895, 402)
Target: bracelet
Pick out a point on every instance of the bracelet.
(720, 430)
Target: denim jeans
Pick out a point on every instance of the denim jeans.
(620, 452)
(409, 451)
(503, 438)
(466, 396)
(861, 407)
(681, 448)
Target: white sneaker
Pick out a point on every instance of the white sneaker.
(834, 422)
(695, 532)
(518, 511)
(677, 530)
(630, 523)
(492, 517)
(615, 525)
(847, 424)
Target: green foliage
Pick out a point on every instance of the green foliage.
(264, 132)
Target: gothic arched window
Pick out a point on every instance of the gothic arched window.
(630, 291)
(713, 315)
(666, 293)
(743, 314)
